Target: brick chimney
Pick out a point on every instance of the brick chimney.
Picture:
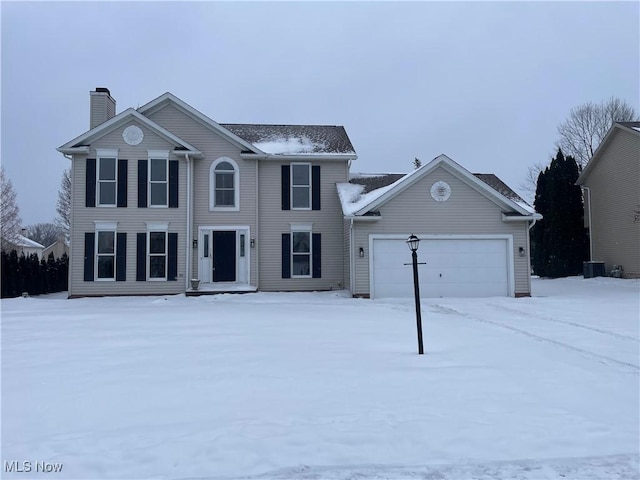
(102, 107)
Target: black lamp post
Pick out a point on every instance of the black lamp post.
(413, 242)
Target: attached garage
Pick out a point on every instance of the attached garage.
(454, 267)
(474, 233)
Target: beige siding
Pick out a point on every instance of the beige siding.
(466, 212)
(213, 146)
(615, 195)
(131, 220)
(274, 222)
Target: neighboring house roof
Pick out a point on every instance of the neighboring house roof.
(631, 127)
(22, 241)
(364, 193)
(78, 144)
(294, 139)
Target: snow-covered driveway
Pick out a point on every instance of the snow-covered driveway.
(318, 385)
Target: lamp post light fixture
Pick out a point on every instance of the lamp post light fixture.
(414, 242)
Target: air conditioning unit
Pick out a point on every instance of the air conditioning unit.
(593, 269)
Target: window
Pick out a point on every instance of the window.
(301, 254)
(158, 184)
(224, 174)
(107, 177)
(157, 255)
(224, 185)
(106, 255)
(301, 185)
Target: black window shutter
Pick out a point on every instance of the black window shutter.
(317, 255)
(172, 261)
(121, 257)
(89, 251)
(122, 183)
(141, 257)
(286, 255)
(142, 184)
(90, 187)
(286, 188)
(173, 183)
(315, 187)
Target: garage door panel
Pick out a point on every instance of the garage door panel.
(454, 268)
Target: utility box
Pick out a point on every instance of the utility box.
(593, 269)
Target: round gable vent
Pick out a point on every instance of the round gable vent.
(440, 191)
(133, 135)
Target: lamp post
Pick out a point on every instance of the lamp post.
(413, 242)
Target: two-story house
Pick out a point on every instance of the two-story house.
(162, 194)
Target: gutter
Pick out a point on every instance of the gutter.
(307, 158)
(510, 218)
(187, 269)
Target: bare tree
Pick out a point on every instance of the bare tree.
(63, 207)
(10, 213)
(530, 183)
(587, 125)
(44, 233)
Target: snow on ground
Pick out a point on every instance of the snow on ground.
(322, 386)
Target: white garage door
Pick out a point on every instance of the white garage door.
(454, 268)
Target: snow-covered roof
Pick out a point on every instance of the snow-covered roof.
(294, 139)
(22, 241)
(363, 190)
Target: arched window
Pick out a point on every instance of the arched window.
(224, 183)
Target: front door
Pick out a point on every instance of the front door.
(224, 256)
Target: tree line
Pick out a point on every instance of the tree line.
(28, 274)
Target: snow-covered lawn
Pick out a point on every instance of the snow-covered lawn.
(322, 386)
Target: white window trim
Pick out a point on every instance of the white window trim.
(105, 227)
(302, 228)
(291, 187)
(212, 186)
(158, 155)
(106, 153)
(157, 227)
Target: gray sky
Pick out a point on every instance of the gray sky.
(484, 83)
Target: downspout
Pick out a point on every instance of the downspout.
(590, 224)
(352, 274)
(257, 232)
(69, 285)
(188, 236)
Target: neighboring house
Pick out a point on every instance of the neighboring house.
(611, 185)
(58, 248)
(162, 195)
(23, 246)
(474, 233)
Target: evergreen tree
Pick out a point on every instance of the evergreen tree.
(559, 241)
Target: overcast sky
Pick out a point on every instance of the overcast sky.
(484, 83)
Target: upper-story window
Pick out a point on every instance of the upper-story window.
(158, 178)
(224, 185)
(300, 186)
(107, 177)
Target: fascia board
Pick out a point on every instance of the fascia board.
(401, 185)
(455, 169)
(122, 117)
(159, 102)
(492, 194)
